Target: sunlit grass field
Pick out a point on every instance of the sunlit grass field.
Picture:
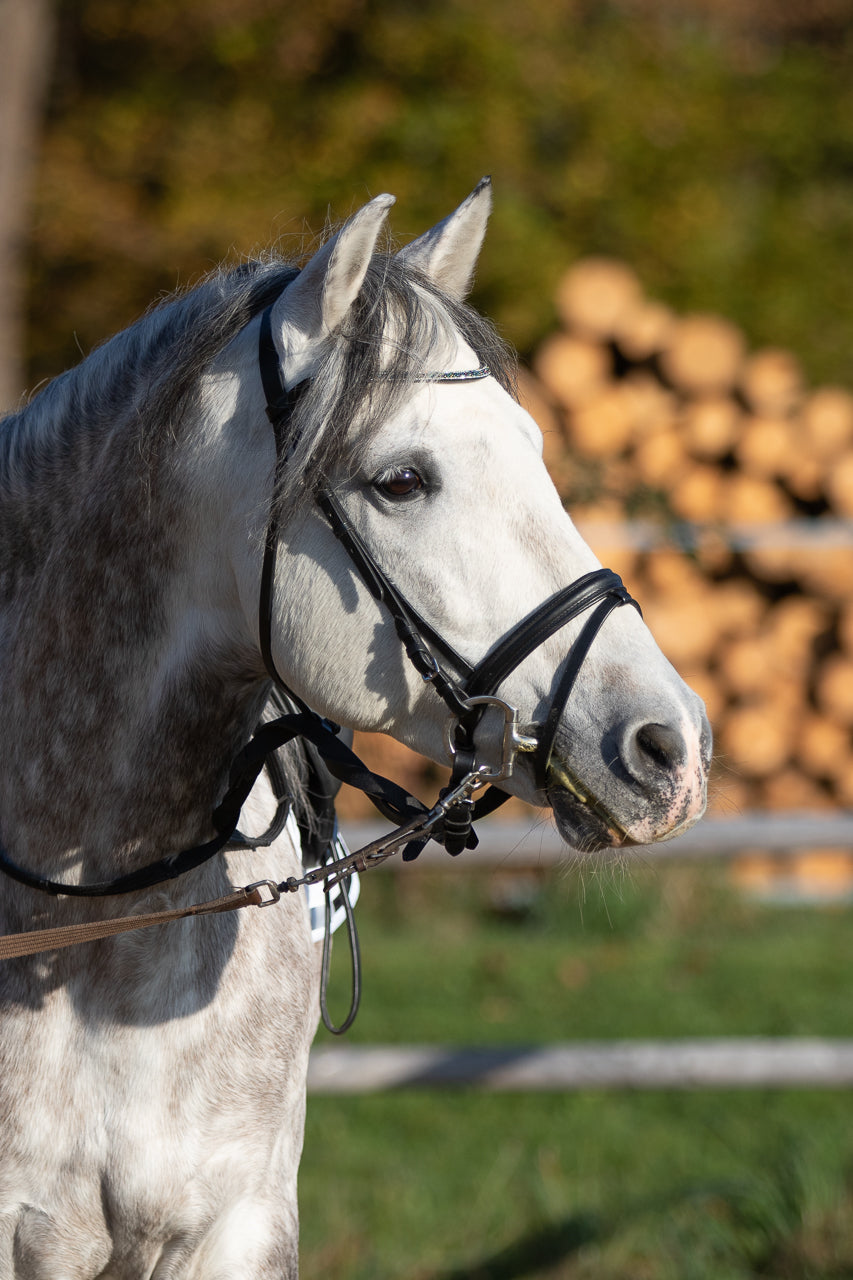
(461, 1185)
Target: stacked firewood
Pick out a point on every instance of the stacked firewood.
(716, 483)
(735, 480)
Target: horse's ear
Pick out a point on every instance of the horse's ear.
(448, 253)
(327, 286)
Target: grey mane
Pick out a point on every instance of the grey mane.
(153, 370)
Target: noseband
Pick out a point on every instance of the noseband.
(466, 690)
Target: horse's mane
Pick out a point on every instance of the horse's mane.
(149, 371)
(152, 371)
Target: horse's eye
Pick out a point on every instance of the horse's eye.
(399, 483)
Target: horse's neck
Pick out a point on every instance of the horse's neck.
(116, 734)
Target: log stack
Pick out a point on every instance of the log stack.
(713, 480)
(739, 475)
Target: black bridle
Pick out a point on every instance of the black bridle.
(466, 690)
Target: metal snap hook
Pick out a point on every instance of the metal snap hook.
(271, 887)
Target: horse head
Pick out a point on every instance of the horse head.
(439, 471)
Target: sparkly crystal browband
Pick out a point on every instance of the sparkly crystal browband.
(464, 375)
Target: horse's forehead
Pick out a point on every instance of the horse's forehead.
(478, 414)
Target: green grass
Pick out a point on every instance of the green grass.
(438, 1185)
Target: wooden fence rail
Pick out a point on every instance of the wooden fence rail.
(738, 1063)
(732, 1063)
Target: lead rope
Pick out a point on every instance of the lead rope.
(15, 945)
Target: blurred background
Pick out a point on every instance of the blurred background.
(669, 252)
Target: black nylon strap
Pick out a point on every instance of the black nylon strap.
(155, 873)
(562, 693)
(278, 784)
(338, 1028)
(456, 830)
(280, 401)
(392, 800)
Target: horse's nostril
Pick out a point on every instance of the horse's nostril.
(650, 750)
(662, 744)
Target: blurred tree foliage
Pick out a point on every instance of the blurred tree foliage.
(718, 160)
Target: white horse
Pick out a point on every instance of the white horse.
(152, 1086)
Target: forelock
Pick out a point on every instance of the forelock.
(400, 328)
